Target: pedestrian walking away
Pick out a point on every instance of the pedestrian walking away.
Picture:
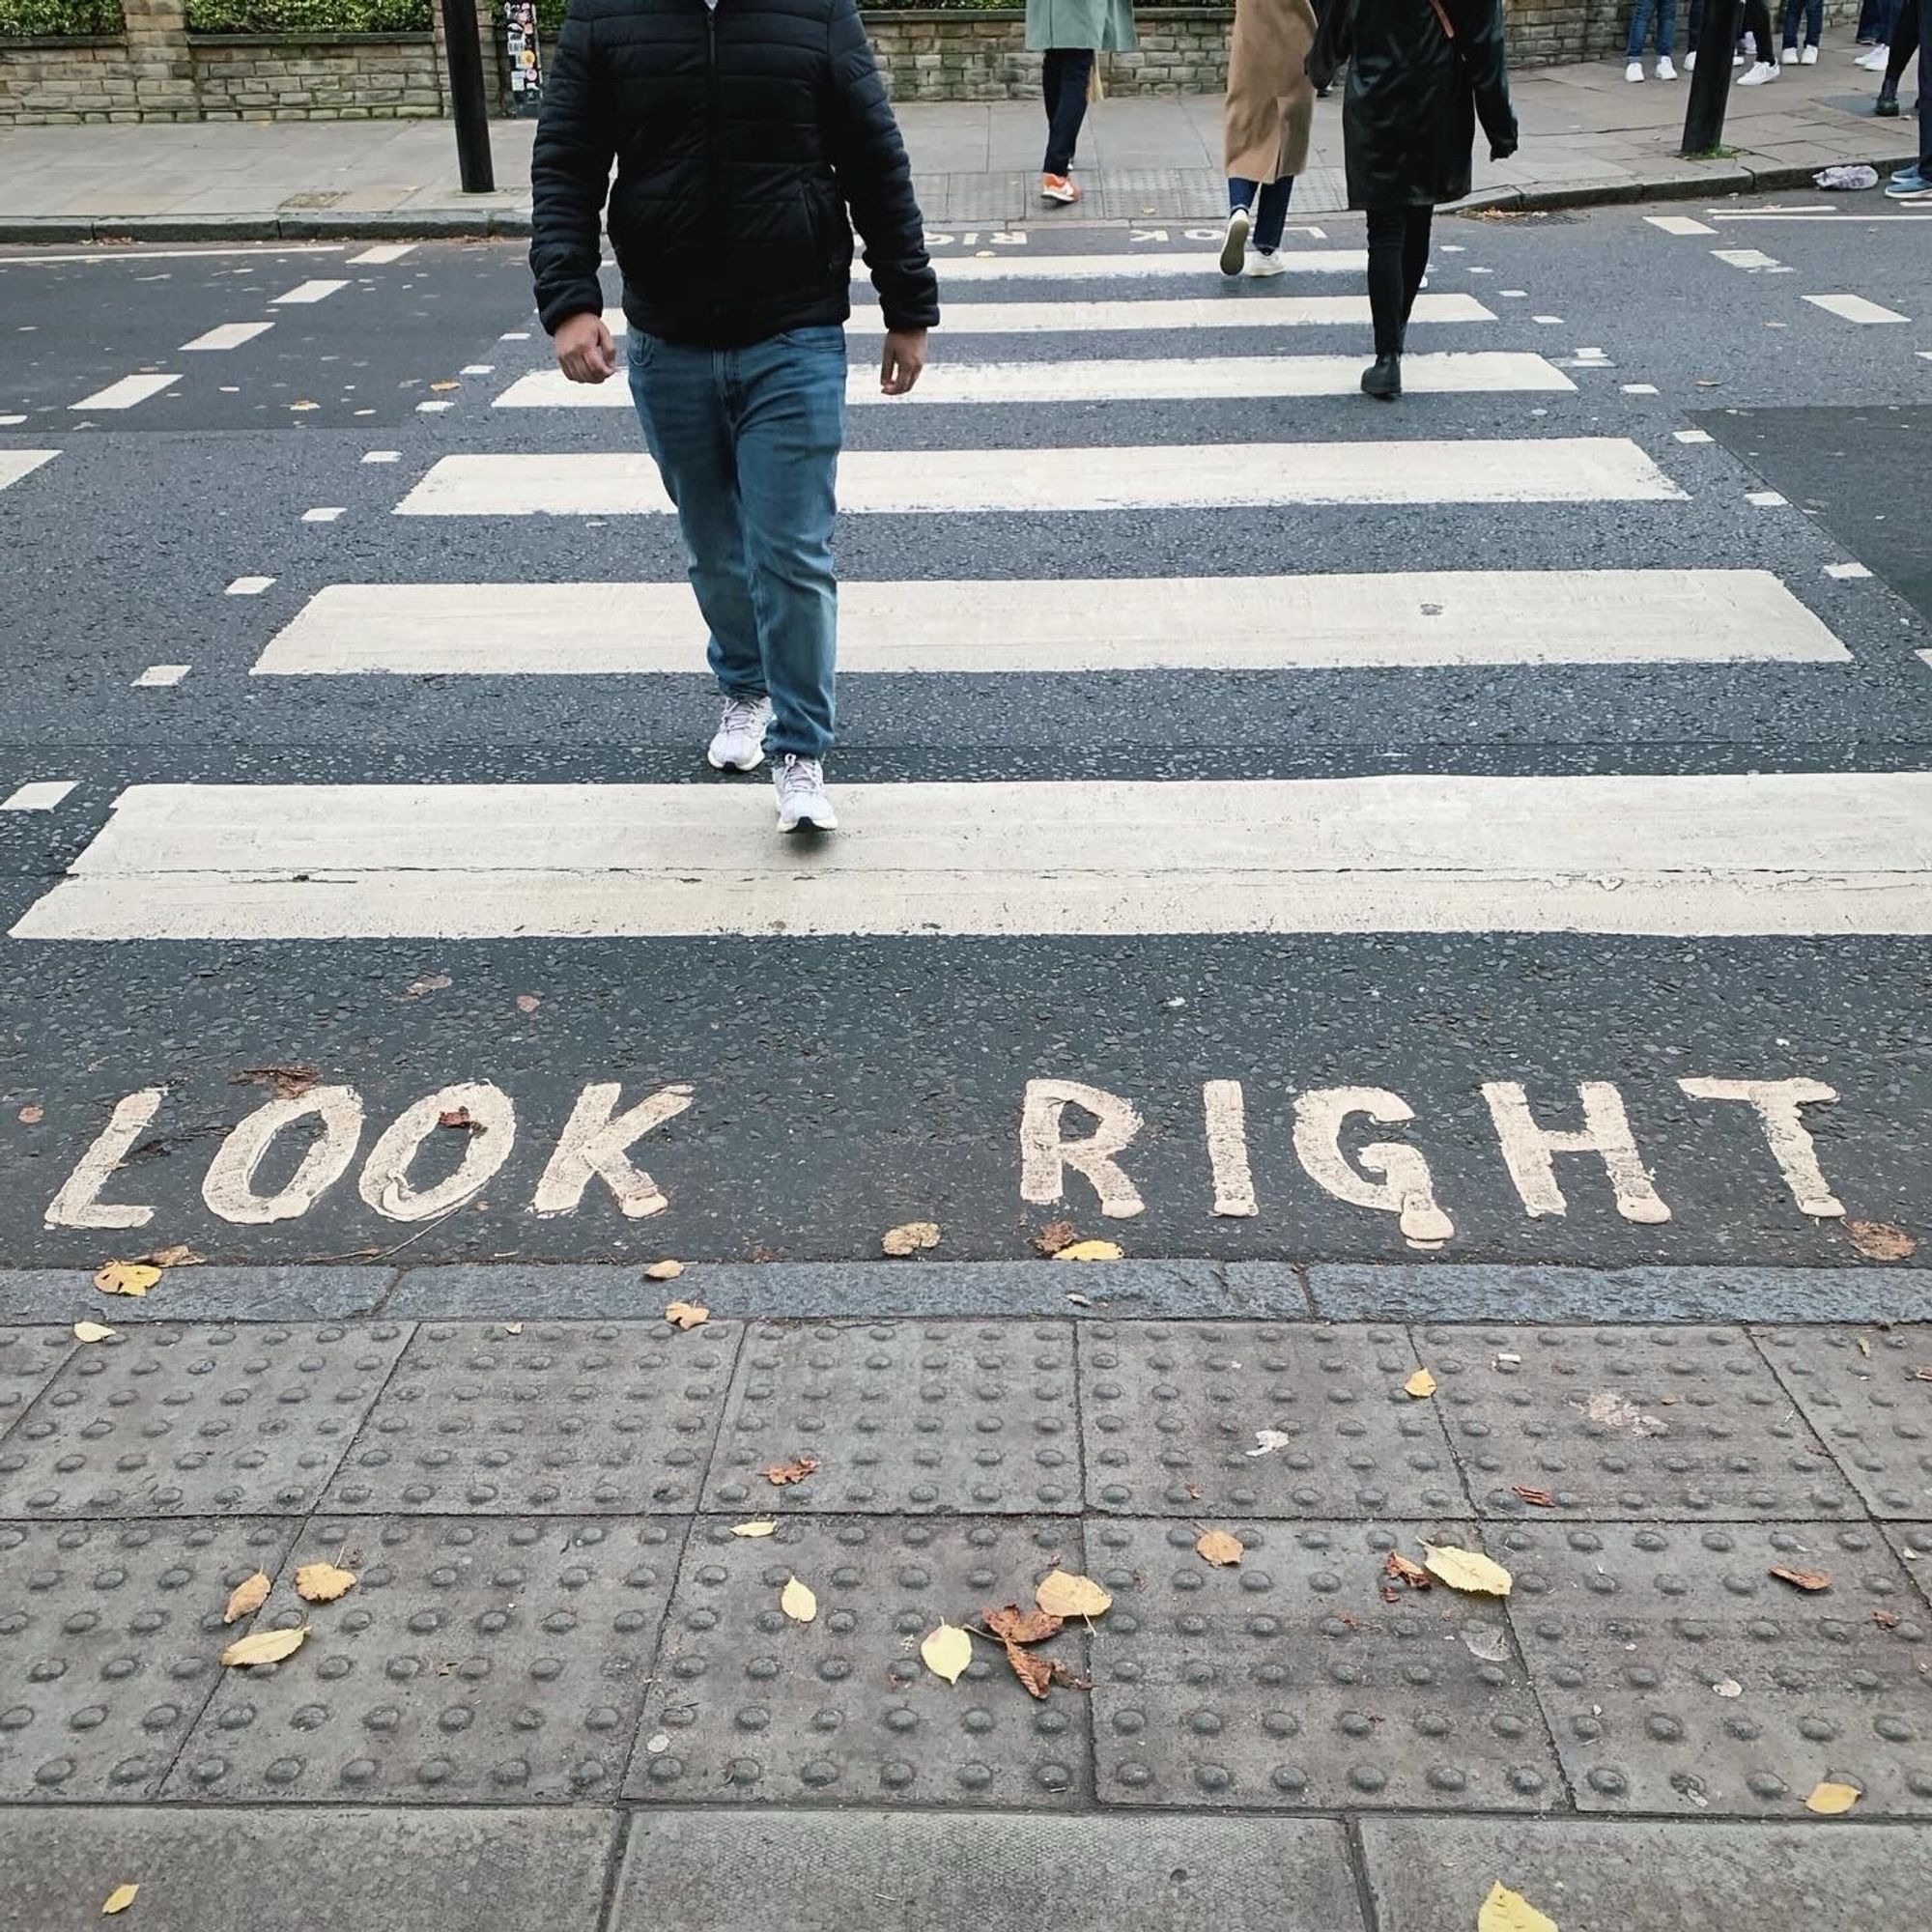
(1887, 18)
(741, 131)
(1915, 184)
(1266, 128)
(1642, 12)
(1904, 45)
(1421, 74)
(1068, 35)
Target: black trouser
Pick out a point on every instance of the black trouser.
(1757, 24)
(1904, 45)
(1064, 75)
(1397, 261)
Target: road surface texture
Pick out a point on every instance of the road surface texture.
(1442, 888)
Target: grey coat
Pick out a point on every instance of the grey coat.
(1107, 26)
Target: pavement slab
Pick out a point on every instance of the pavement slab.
(29, 1360)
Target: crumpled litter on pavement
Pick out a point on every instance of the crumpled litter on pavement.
(1846, 180)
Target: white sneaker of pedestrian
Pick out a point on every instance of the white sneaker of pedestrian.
(1690, 63)
(1264, 263)
(1634, 71)
(1763, 71)
(1789, 57)
(1874, 61)
(800, 783)
(738, 745)
(1235, 243)
(1810, 57)
(1665, 70)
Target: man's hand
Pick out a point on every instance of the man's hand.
(903, 360)
(583, 350)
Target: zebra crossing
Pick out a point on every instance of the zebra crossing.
(1684, 854)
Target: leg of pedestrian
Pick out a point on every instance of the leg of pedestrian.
(1067, 74)
(1904, 45)
(1388, 231)
(1666, 39)
(1242, 192)
(1764, 66)
(1641, 14)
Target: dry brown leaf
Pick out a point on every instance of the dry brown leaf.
(910, 1238)
(119, 1900)
(529, 1002)
(1013, 1625)
(322, 1583)
(92, 1331)
(248, 1596)
(1829, 1799)
(947, 1652)
(264, 1647)
(31, 1116)
(1054, 1236)
(1035, 1672)
(1507, 1911)
(687, 1314)
(1062, 1674)
(1063, 1594)
(1092, 1251)
(179, 1256)
(764, 1526)
(1923, 1374)
(1536, 1498)
(1399, 1567)
(795, 1471)
(446, 386)
(663, 1270)
(459, 1117)
(1220, 1548)
(1881, 1241)
(126, 1277)
(797, 1601)
(1467, 1569)
(1886, 1620)
(430, 982)
(1420, 1384)
(1801, 1580)
(290, 1083)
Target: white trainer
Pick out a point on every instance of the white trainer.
(1762, 73)
(1874, 61)
(1789, 57)
(1235, 243)
(803, 799)
(1665, 70)
(738, 745)
(1634, 71)
(1810, 57)
(1263, 263)
(1690, 63)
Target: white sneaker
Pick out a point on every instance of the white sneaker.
(1235, 243)
(1763, 71)
(1690, 63)
(802, 795)
(1874, 61)
(1634, 71)
(1810, 57)
(739, 743)
(1261, 265)
(1665, 70)
(1789, 57)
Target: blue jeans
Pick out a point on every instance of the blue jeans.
(747, 442)
(1272, 216)
(1665, 13)
(1814, 12)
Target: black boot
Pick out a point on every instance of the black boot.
(1384, 381)
(1887, 106)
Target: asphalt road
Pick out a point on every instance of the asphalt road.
(840, 1083)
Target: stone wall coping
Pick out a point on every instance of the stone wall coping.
(316, 38)
(928, 16)
(59, 43)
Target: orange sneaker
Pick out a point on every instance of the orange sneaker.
(1057, 187)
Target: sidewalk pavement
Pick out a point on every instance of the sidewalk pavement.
(1588, 136)
(565, 1690)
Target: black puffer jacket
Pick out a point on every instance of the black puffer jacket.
(1408, 118)
(740, 137)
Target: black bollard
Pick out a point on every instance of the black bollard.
(464, 53)
(1711, 80)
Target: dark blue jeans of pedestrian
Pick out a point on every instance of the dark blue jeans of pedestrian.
(1065, 76)
(1875, 20)
(1271, 216)
(1665, 14)
(747, 442)
(1814, 21)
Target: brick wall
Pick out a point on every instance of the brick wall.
(323, 77)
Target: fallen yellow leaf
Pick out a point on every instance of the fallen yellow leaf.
(127, 1278)
(248, 1598)
(797, 1601)
(764, 1528)
(1507, 1911)
(1881, 1241)
(1829, 1799)
(1221, 1549)
(1063, 1594)
(947, 1652)
(92, 1331)
(1091, 1251)
(663, 1270)
(119, 1900)
(909, 1238)
(687, 1314)
(264, 1647)
(1420, 1384)
(322, 1583)
(1467, 1569)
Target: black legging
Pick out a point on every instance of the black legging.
(1904, 45)
(1397, 261)
(1757, 24)
(1064, 73)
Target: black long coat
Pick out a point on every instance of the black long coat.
(1409, 119)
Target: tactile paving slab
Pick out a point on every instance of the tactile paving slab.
(1173, 1415)
(1678, 1424)
(29, 1360)
(109, 1634)
(749, 1705)
(1869, 1394)
(168, 1420)
(905, 1416)
(563, 1417)
(1292, 1681)
(476, 1660)
(1680, 1677)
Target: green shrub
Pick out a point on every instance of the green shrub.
(550, 12)
(305, 16)
(40, 19)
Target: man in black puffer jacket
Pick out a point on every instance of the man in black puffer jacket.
(741, 130)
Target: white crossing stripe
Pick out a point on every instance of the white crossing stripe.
(15, 463)
(1243, 310)
(307, 292)
(384, 252)
(1855, 308)
(1228, 624)
(1171, 379)
(1802, 853)
(38, 795)
(157, 677)
(1752, 258)
(1529, 469)
(229, 335)
(250, 587)
(126, 393)
(1680, 224)
(1016, 265)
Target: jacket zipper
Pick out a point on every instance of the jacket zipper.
(715, 160)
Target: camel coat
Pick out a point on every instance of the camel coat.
(1271, 98)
